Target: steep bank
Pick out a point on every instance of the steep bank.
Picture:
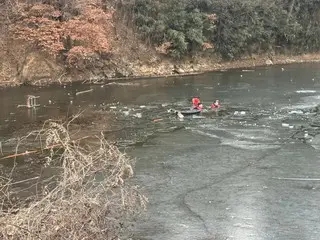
(39, 70)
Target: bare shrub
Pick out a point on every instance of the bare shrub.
(164, 47)
(90, 199)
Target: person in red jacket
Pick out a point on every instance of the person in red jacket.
(195, 102)
(199, 107)
(216, 104)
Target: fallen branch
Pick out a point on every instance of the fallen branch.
(18, 154)
(29, 152)
(37, 150)
(298, 179)
(82, 92)
(27, 106)
(26, 180)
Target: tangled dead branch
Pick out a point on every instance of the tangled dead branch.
(88, 200)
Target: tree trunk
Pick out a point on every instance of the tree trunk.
(290, 10)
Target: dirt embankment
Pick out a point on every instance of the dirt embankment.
(38, 69)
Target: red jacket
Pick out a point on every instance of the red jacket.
(195, 101)
(213, 105)
(199, 107)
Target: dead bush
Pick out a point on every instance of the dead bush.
(89, 199)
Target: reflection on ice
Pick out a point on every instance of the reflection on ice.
(250, 139)
(300, 106)
(249, 145)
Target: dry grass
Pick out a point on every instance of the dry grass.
(89, 199)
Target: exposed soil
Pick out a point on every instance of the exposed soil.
(159, 67)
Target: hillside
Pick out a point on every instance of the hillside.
(50, 41)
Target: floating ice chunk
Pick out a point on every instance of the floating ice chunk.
(306, 91)
(199, 117)
(180, 115)
(239, 113)
(126, 113)
(296, 112)
(138, 115)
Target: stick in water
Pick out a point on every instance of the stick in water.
(86, 91)
(298, 179)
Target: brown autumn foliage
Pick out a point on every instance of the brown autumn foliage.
(79, 38)
(44, 32)
(212, 17)
(163, 48)
(207, 45)
(42, 10)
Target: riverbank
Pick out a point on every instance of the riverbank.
(203, 65)
(158, 68)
